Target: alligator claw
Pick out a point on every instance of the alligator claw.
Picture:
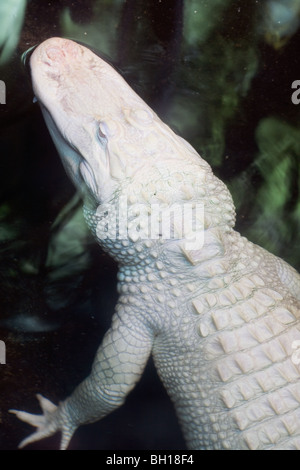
(47, 424)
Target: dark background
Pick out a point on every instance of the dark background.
(220, 74)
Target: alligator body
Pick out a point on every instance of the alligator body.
(219, 314)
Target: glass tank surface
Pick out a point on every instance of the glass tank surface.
(224, 75)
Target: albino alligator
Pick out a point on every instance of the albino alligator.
(219, 314)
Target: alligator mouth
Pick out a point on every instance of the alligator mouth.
(88, 176)
(25, 58)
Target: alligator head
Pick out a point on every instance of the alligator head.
(112, 143)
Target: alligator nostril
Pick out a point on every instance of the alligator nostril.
(55, 53)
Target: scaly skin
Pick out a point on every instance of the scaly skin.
(221, 318)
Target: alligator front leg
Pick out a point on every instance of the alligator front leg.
(118, 365)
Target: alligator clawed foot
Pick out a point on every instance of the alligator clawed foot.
(47, 424)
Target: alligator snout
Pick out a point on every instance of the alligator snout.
(59, 50)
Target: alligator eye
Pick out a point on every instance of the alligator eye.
(102, 129)
(107, 129)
